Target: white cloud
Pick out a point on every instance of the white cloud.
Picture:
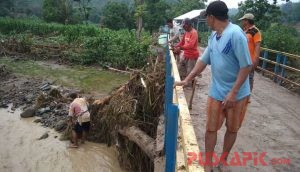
(234, 3)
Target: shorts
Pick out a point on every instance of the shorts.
(234, 116)
(85, 126)
(186, 66)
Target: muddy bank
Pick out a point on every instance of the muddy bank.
(22, 151)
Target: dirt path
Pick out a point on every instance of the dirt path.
(271, 125)
(21, 150)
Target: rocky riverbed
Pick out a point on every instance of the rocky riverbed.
(40, 98)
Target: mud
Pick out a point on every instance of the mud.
(21, 149)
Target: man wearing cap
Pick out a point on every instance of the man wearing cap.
(227, 53)
(189, 45)
(254, 40)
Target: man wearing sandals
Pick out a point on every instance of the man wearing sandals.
(79, 111)
(227, 53)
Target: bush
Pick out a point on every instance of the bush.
(282, 38)
(203, 38)
(103, 46)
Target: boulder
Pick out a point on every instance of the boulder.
(61, 125)
(29, 112)
(44, 136)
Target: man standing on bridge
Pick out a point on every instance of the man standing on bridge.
(189, 46)
(227, 53)
(254, 39)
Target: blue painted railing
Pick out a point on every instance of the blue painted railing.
(171, 118)
(279, 72)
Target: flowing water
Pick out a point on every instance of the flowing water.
(21, 151)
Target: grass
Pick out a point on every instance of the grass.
(86, 78)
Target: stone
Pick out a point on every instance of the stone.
(61, 125)
(44, 136)
(37, 120)
(29, 112)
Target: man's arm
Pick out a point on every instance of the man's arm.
(257, 40)
(181, 43)
(174, 38)
(71, 114)
(230, 99)
(257, 54)
(198, 68)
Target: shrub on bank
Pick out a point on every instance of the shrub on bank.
(102, 46)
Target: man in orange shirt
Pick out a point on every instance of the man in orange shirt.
(189, 45)
(254, 40)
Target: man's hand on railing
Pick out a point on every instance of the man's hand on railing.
(180, 83)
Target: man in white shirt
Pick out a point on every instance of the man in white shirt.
(79, 110)
(174, 32)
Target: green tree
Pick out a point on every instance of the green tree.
(265, 13)
(282, 38)
(139, 14)
(184, 6)
(60, 11)
(84, 8)
(5, 7)
(13, 7)
(117, 16)
(155, 14)
(291, 12)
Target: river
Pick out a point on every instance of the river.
(21, 151)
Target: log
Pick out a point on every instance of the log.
(145, 142)
(117, 70)
(160, 136)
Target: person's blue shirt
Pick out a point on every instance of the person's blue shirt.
(227, 54)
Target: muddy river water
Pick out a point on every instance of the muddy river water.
(21, 151)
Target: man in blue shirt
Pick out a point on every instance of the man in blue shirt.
(227, 53)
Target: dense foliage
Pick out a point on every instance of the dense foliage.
(97, 46)
(265, 13)
(282, 38)
(117, 16)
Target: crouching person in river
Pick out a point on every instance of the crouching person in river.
(80, 117)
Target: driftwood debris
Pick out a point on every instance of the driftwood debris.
(130, 117)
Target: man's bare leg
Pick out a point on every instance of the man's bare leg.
(74, 139)
(83, 137)
(229, 140)
(210, 143)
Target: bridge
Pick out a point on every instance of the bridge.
(271, 125)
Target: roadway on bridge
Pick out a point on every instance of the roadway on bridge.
(272, 125)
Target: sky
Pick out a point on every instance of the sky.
(234, 3)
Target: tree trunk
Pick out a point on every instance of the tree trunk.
(139, 27)
(145, 142)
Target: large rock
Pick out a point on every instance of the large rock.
(30, 112)
(61, 125)
(44, 136)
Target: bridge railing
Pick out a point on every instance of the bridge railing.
(178, 120)
(280, 65)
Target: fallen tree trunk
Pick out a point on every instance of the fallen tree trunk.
(145, 142)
